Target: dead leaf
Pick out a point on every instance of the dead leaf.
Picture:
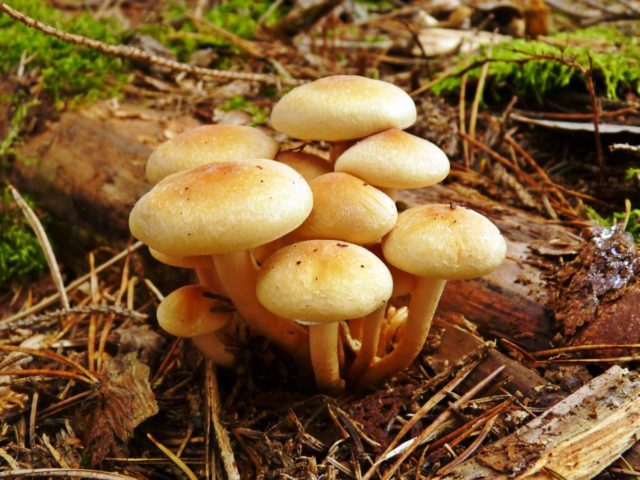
(124, 400)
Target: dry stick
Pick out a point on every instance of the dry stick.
(46, 373)
(472, 448)
(45, 302)
(64, 472)
(473, 119)
(136, 54)
(579, 348)
(540, 171)
(462, 107)
(440, 420)
(35, 224)
(179, 463)
(91, 337)
(55, 314)
(213, 403)
(424, 409)
(51, 356)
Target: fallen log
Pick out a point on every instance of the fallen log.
(576, 439)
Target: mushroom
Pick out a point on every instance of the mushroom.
(202, 264)
(306, 164)
(342, 108)
(346, 208)
(224, 209)
(321, 283)
(395, 159)
(436, 243)
(193, 313)
(206, 144)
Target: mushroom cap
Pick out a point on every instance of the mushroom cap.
(342, 107)
(346, 208)
(198, 261)
(323, 281)
(207, 144)
(444, 242)
(187, 312)
(221, 208)
(395, 159)
(306, 164)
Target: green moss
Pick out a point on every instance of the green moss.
(616, 64)
(239, 17)
(259, 115)
(21, 258)
(631, 217)
(632, 174)
(69, 73)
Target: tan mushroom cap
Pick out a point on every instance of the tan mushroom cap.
(342, 107)
(306, 164)
(323, 281)
(346, 208)
(444, 242)
(395, 159)
(199, 261)
(206, 144)
(221, 208)
(186, 312)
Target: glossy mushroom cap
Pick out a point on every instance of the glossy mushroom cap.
(323, 281)
(187, 312)
(346, 208)
(221, 208)
(395, 159)
(207, 144)
(444, 242)
(306, 164)
(342, 107)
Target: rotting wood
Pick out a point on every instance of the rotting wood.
(576, 439)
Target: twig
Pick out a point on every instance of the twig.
(35, 224)
(179, 463)
(136, 54)
(473, 118)
(55, 314)
(625, 147)
(472, 448)
(64, 472)
(588, 73)
(422, 411)
(46, 373)
(462, 118)
(581, 348)
(51, 356)
(32, 420)
(213, 403)
(440, 420)
(45, 302)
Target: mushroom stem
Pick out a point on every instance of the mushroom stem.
(323, 345)
(209, 278)
(238, 275)
(424, 301)
(369, 347)
(212, 346)
(356, 327)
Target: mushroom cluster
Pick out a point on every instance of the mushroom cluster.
(312, 253)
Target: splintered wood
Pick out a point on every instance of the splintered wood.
(576, 439)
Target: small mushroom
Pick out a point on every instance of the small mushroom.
(192, 313)
(321, 283)
(395, 159)
(342, 108)
(436, 243)
(346, 208)
(207, 144)
(306, 164)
